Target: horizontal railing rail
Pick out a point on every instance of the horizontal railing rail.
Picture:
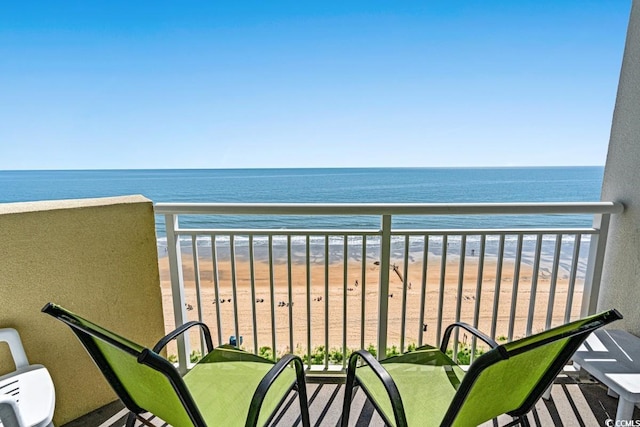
(509, 280)
(390, 208)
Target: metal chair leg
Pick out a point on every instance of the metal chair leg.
(131, 420)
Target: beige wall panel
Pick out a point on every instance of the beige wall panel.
(96, 257)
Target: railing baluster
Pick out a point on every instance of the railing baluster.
(554, 280)
(363, 279)
(496, 295)
(290, 289)
(252, 280)
(573, 276)
(273, 298)
(383, 302)
(534, 284)
(326, 301)
(404, 293)
(345, 258)
(177, 287)
(216, 287)
(443, 271)
(423, 289)
(460, 290)
(595, 263)
(514, 289)
(308, 271)
(234, 287)
(476, 312)
(196, 274)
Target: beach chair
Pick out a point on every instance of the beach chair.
(27, 395)
(426, 388)
(227, 387)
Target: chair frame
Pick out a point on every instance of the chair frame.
(152, 359)
(11, 413)
(497, 354)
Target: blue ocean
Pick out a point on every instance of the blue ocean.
(340, 185)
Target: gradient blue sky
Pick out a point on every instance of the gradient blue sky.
(201, 84)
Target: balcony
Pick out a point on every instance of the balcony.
(99, 256)
(304, 289)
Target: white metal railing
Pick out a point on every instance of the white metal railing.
(457, 271)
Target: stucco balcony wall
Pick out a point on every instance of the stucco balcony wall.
(97, 257)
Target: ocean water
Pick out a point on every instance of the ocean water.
(370, 185)
(355, 185)
(375, 185)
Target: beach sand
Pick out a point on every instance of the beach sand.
(294, 318)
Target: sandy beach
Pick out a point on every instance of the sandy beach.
(326, 286)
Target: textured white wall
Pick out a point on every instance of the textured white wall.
(621, 275)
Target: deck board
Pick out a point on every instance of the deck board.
(573, 402)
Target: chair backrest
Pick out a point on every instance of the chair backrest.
(143, 380)
(512, 377)
(12, 338)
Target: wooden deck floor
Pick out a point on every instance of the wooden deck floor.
(572, 403)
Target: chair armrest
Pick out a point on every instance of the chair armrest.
(11, 337)
(269, 379)
(385, 378)
(9, 412)
(180, 330)
(469, 328)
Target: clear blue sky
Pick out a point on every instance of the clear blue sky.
(211, 84)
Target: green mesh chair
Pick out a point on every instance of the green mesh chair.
(227, 387)
(426, 388)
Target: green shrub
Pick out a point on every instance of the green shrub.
(265, 352)
(372, 349)
(317, 356)
(393, 351)
(195, 356)
(464, 354)
(335, 356)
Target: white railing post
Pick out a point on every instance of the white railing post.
(595, 263)
(177, 288)
(383, 303)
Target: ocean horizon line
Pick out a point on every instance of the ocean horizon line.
(116, 169)
(325, 185)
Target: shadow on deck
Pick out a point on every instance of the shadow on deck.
(572, 403)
